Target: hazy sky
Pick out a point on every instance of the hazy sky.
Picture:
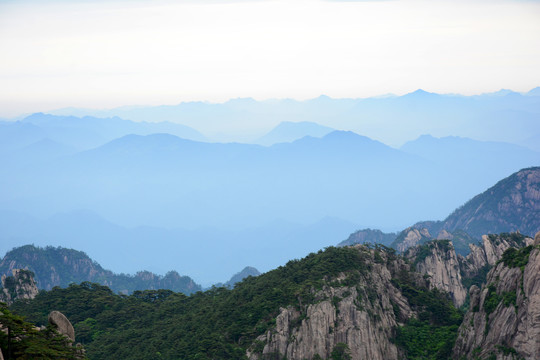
(103, 54)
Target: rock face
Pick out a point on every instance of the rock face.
(490, 251)
(411, 237)
(504, 316)
(438, 260)
(19, 286)
(362, 316)
(63, 325)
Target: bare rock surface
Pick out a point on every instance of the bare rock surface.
(19, 286)
(62, 323)
(438, 261)
(490, 251)
(363, 316)
(411, 237)
(504, 316)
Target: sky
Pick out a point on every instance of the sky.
(104, 54)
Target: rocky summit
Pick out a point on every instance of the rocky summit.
(503, 321)
(20, 285)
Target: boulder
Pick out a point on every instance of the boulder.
(62, 323)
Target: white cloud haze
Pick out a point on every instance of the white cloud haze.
(105, 54)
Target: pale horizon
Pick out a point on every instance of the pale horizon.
(103, 55)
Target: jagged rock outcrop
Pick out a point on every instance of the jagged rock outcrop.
(411, 237)
(362, 316)
(19, 286)
(490, 251)
(504, 316)
(62, 324)
(438, 260)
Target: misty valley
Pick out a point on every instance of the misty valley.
(167, 233)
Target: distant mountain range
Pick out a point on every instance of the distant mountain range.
(45, 132)
(289, 131)
(181, 194)
(500, 116)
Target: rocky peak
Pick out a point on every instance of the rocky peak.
(438, 261)
(411, 237)
(491, 250)
(361, 314)
(19, 286)
(511, 204)
(503, 319)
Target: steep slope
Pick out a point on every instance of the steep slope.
(437, 260)
(356, 313)
(486, 254)
(60, 267)
(502, 322)
(511, 204)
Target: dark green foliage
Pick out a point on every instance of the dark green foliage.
(216, 324)
(515, 238)
(461, 241)
(492, 299)
(341, 352)
(509, 298)
(517, 257)
(22, 341)
(434, 303)
(479, 279)
(506, 350)
(421, 340)
(433, 334)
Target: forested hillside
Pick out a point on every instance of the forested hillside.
(224, 324)
(57, 266)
